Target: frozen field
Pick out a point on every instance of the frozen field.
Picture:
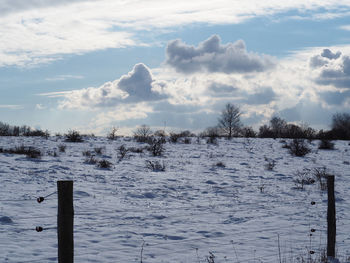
(220, 198)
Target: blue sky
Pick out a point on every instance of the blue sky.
(94, 64)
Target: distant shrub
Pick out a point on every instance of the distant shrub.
(112, 135)
(122, 151)
(29, 151)
(62, 148)
(86, 153)
(298, 147)
(73, 136)
(220, 164)
(302, 178)
(136, 149)
(98, 150)
(160, 133)
(248, 132)
(211, 133)
(90, 160)
(174, 137)
(104, 164)
(187, 140)
(326, 145)
(270, 165)
(155, 166)
(156, 146)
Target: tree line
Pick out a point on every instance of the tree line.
(230, 125)
(24, 130)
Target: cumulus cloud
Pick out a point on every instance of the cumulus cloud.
(327, 53)
(137, 86)
(212, 56)
(324, 58)
(317, 61)
(336, 74)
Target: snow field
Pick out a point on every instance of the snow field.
(210, 198)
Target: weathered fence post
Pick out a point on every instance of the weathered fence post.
(331, 229)
(65, 217)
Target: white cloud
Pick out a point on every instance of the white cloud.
(137, 86)
(36, 31)
(212, 56)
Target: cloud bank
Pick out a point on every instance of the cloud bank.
(38, 31)
(294, 88)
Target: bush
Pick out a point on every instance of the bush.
(303, 178)
(98, 150)
(73, 136)
(187, 140)
(90, 160)
(270, 165)
(136, 150)
(104, 164)
(155, 166)
(62, 148)
(248, 132)
(112, 135)
(220, 165)
(211, 133)
(174, 137)
(122, 151)
(86, 153)
(156, 146)
(298, 147)
(326, 145)
(29, 151)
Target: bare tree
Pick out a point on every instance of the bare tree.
(143, 133)
(113, 134)
(229, 120)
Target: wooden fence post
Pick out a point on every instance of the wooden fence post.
(65, 217)
(331, 227)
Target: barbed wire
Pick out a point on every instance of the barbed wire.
(36, 260)
(38, 199)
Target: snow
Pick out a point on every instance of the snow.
(210, 198)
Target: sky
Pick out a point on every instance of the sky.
(91, 65)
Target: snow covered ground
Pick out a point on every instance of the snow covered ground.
(210, 198)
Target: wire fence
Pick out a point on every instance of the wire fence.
(142, 245)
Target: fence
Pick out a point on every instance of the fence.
(66, 245)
